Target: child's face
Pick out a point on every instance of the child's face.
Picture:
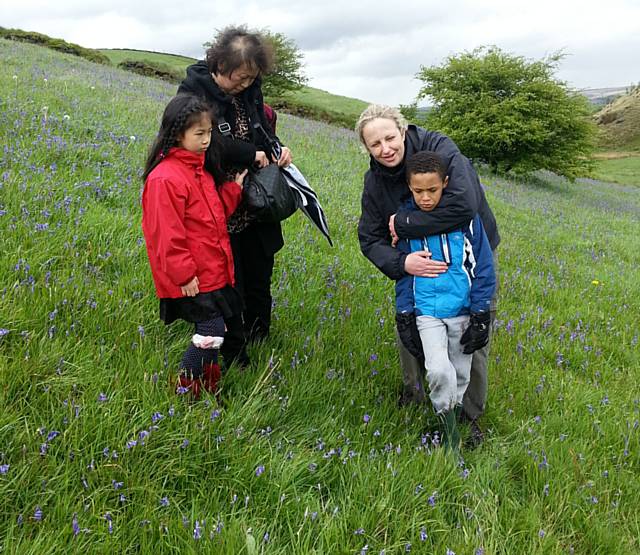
(427, 189)
(197, 137)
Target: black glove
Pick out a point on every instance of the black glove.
(476, 335)
(408, 332)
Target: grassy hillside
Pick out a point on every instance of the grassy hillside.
(619, 127)
(308, 452)
(619, 122)
(309, 102)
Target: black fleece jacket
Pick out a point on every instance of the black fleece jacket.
(385, 190)
(235, 153)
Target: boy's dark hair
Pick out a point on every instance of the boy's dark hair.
(235, 46)
(425, 161)
(181, 113)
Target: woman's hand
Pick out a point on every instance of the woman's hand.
(392, 230)
(261, 159)
(191, 289)
(285, 157)
(419, 264)
(239, 179)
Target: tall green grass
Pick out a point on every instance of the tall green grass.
(98, 454)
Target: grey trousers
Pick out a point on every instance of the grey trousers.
(448, 368)
(475, 398)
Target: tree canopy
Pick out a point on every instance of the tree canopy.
(287, 74)
(510, 112)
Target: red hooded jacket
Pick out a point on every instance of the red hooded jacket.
(184, 221)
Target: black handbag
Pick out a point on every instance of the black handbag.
(267, 195)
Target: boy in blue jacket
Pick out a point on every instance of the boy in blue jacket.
(451, 311)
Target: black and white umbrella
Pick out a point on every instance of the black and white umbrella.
(309, 202)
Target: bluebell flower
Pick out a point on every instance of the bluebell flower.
(156, 416)
(74, 524)
(259, 470)
(4, 468)
(197, 531)
(37, 514)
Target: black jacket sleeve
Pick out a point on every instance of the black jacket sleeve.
(375, 240)
(459, 203)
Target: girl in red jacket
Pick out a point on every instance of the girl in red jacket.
(184, 221)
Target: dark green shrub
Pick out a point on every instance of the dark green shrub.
(55, 44)
(152, 69)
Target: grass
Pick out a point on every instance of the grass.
(174, 61)
(97, 453)
(623, 169)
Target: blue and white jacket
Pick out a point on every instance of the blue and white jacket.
(466, 287)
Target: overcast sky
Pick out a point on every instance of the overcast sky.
(361, 48)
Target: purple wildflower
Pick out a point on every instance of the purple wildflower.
(164, 502)
(259, 470)
(366, 418)
(197, 531)
(359, 532)
(407, 548)
(3, 332)
(37, 514)
(102, 398)
(156, 417)
(423, 534)
(109, 520)
(214, 414)
(4, 468)
(184, 444)
(19, 520)
(542, 533)
(450, 552)
(74, 524)
(116, 485)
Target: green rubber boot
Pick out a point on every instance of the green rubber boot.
(450, 434)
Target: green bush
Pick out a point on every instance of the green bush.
(510, 112)
(151, 69)
(55, 44)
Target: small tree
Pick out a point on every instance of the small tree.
(510, 112)
(287, 72)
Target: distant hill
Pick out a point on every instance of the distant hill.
(619, 121)
(174, 61)
(600, 97)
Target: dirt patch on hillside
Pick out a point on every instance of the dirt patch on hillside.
(619, 122)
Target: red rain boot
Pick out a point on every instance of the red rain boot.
(189, 384)
(212, 375)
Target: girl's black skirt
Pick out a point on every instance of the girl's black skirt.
(225, 302)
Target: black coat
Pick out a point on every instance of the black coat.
(386, 189)
(236, 153)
